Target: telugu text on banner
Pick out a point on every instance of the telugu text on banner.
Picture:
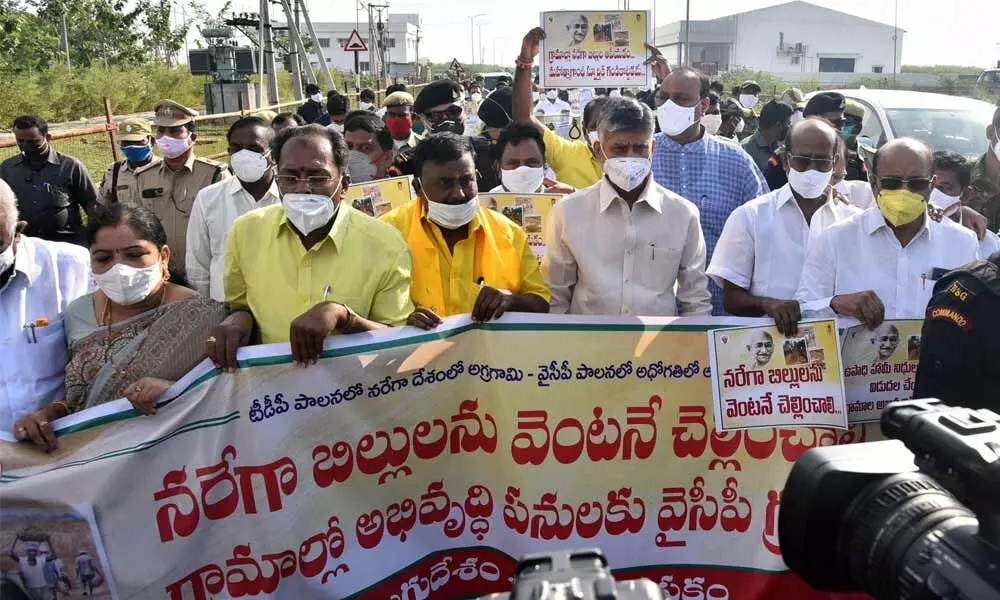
(595, 49)
(420, 465)
(880, 366)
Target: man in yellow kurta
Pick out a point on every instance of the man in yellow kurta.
(466, 258)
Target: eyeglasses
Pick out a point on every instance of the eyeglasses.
(804, 163)
(452, 113)
(917, 185)
(291, 182)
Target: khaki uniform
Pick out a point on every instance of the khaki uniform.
(171, 194)
(127, 189)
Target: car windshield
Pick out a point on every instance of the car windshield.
(962, 131)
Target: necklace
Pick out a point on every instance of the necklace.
(106, 321)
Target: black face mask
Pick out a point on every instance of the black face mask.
(456, 127)
(32, 149)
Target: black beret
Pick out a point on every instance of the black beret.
(496, 109)
(442, 91)
(824, 102)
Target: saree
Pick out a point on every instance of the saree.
(164, 342)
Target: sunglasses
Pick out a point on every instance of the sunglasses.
(805, 163)
(452, 113)
(917, 185)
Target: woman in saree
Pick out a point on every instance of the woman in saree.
(133, 337)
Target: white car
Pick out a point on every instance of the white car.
(944, 122)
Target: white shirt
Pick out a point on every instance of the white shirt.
(34, 575)
(987, 246)
(859, 193)
(212, 215)
(47, 276)
(862, 253)
(603, 259)
(763, 244)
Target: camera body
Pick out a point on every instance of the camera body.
(573, 575)
(915, 518)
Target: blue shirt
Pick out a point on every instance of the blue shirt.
(715, 175)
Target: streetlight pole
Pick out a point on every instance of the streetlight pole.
(895, 44)
(472, 36)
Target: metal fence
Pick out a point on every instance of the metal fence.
(95, 145)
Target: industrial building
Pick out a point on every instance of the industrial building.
(796, 40)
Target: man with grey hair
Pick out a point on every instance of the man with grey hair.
(38, 279)
(625, 245)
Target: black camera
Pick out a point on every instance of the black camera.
(923, 523)
(573, 575)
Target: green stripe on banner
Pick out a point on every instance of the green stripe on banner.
(396, 343)
(192, 426)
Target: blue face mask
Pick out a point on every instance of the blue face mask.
(137, 154)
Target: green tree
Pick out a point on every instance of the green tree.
(28, 43)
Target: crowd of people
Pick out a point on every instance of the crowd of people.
(33, 571)
(679, 200)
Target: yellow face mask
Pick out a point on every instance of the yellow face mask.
(900, 207)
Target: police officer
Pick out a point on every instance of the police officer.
(169, 187)
(439, 107)
(854, 117)
(960, 342)
(135, 140)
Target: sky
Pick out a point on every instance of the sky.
(962, 32)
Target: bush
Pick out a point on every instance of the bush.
(60, 95)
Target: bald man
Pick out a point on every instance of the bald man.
(761, 348)
(885, 339)
(882, 263)
(763, 245)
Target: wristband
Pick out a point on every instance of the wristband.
(524, 63)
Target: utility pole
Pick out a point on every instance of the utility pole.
(260, 62)
(319, 51)
(296, 58)
(272, 80)
(687, 34)
(472, 37)
(482, 48)
(895, 44)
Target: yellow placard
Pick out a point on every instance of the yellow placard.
(595, 49)
(375, 198)
(530, 211)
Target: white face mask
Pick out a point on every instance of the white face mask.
(593, 136)
(477, 97)
(615, 94)
(360, 167)
(309, 212)
(712, 123)
(522, 180)
(796, 117)
(675, 119)
(173, 147)
(748, 100)
(740, 126)
(809, 184)
(249, 166)
(452, 216)
(316, 97)
(366, 105)
(126, 285)
(7, 258)
(551, 96)
(627, 172)
(943, 201)
(338, 127)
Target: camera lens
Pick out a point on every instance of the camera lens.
(885, 521)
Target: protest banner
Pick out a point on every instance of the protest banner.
(375, 198)
(880, 366)
(530, 211)
(802, 386)
(595, 49)
(412, 464)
